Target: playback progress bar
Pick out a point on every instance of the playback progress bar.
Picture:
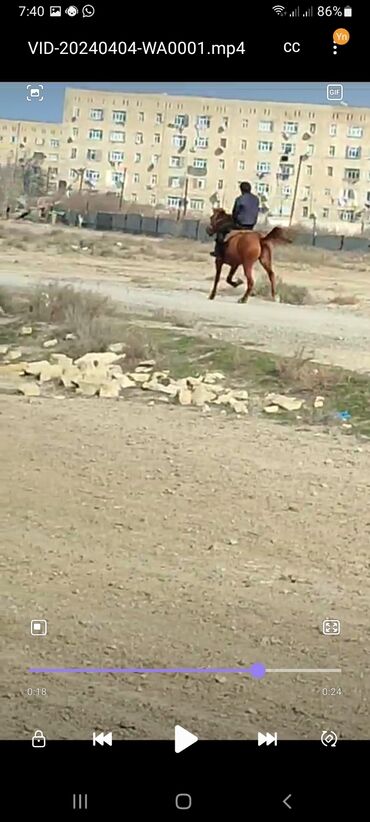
(256, 671)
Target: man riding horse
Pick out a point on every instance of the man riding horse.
(244, 216)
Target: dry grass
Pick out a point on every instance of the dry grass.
(292, 294)
(344, 299)
(303, 375)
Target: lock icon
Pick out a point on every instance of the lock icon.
(38, 740)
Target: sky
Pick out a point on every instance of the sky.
(14, 105)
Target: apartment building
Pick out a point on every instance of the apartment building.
(309, 161)
(21, 140)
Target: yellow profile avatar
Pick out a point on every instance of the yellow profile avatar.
(341, 37)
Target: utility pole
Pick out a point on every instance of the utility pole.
(122, 188)
(301, 159)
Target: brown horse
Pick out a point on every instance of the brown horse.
(244, 248)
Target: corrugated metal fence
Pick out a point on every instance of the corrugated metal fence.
(196, 230)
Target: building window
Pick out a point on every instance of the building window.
(93, 154)
(305, 211)
(92, 176)
(220, 183)
(153, 180)
(199, 184)
(137, 158)
(141, 117)
(243, 145)
(329, 171)
(288, 148)
(355, 131)
(262, 188)
(203, 122)
(352, 174)
(157, 138)
(263, 145)
(155, 159)
(73, 153)
(173, 202)
(174, 182)
(310, 149)
(312, 128)
(72, 174)
(181, 120)
(244, 123)
(201, 142)
(223, 142)
(309, 171)
(306, 192)
(75, 112)
(139, 138)
(197, 205)
(75, 132)
(134, 198)
(159, 121)
(265, 125)
(221, 164)
(199, 163)
(119, 116)
(327, 192)
(179, 141)
(290, 128)
(117, 177)
(331, 151)
(225, 122)
(353, 153)
(117, 137)
(136, 178)
(325, 213)
(153, 199)
(241, 165)
(116, 156)
(263, 167)
(333, 130)
(286, 191)
(176, 162)
(95, 134)
(287, 170)
(53, 143)
(96, 114)
(347, 216)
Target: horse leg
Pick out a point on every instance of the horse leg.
(248, 271)
(265, 260)
(229, 278)
(219, 264)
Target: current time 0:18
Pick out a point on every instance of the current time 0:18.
(36, 692)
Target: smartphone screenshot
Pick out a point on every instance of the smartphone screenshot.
(185, 411)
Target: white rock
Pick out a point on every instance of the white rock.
(15, 354)
(70, 337)
(124, 381)
(239, 406)
(12, 368)
(284, 402)
(4, 349)
(26, 330)
(10, 385)
(116, 348)
(241, 395)
(110, 389)
(319, 402)
(138, 377)
(29, 389)
(213, 376)
(61, 359)
(224, 399)
(51, 372)
(185, 396)
(50, 343)
(143, 369)
(114, 371)
(98, 358)
(71, 376)
(193, 381)
(146, 363)
(87, 389)
(35, 367)
(271, 409)
(201, 395)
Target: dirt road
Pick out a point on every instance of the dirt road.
(156, 536)
(333, 336)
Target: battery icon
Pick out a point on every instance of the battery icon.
(347, 11)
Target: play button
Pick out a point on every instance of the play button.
(183, 739)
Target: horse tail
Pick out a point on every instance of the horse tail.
(277, 235)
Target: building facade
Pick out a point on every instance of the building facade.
(23, 139)
(308, 162)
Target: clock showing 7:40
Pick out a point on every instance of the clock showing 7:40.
(34, 11)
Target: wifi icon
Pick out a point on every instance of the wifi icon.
(279, 9)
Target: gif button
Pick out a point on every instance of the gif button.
(183, 801)
(334, 92)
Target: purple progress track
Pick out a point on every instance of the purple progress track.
(257, 670)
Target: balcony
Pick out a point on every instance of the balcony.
(197, 172)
